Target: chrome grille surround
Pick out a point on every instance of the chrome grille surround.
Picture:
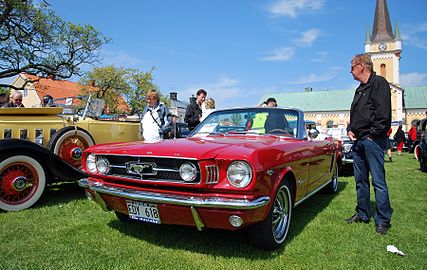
(159, 169)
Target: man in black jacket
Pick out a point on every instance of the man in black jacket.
(370, 119)
(194, 110)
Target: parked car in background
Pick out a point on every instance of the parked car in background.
(347, 153)
(239, 168)
(183, 129)
(44, 145)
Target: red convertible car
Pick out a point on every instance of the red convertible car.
(239, 168)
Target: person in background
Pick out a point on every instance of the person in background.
(47, 101)
(209, 108)
(412, 136)
(4, 99)
(16, 101)
(173, 130)
(194, 110)
(399, 137)
(370, 120)
(155, 118)
(271, 102)
(388, 146)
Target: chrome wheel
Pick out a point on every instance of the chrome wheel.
(281, 214)
(270, 233)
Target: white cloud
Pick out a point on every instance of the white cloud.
(119, 59)
(321, 57)
(311, 78)
(413, 79)
(308, 37)
(292, 7)
(280, 55)
(412, 35)
(224, 91)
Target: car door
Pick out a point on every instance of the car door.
(320, 163)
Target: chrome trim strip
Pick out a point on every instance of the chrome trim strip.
(347, 160)
(154, 169)
(157, 180)
(181, 200)
(312, 193)
(118, 166)
(144, 156)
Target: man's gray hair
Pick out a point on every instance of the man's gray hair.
(364, 59)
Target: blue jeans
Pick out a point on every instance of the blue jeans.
(369, 157)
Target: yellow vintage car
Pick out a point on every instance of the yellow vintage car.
(43, 145)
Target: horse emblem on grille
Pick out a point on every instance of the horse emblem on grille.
(141, 168)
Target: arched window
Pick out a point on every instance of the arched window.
(330, 124)
(383, 70)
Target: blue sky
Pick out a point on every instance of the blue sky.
(239, 50)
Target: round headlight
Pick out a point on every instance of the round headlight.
(102, 165)
(188, 172)
(239, 174)
(90, 163)
(347, 147)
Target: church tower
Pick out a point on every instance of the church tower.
(383, 45)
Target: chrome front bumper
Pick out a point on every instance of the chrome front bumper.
(347, 161)
(181, 200)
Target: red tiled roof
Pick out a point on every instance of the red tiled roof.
(63, 89)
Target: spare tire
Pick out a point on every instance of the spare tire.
(69, 143)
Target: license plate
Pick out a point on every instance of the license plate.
(147, 212)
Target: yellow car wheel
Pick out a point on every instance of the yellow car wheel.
(69, 143)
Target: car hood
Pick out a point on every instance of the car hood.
(197, 148)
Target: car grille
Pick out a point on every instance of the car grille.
(159, 169)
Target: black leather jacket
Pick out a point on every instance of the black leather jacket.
(370, 113)
(192, 115)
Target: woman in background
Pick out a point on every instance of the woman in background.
(209, 108)
(399, 137)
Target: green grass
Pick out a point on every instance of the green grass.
(66, 231)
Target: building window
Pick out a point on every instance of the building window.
(383, 70)
(330, 124)
(25, 93)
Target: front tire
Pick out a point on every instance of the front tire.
(22, 182)
(271, 233)
(69, 143)
(332, 187)
(417, 152)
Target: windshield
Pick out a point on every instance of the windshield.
(276, 121)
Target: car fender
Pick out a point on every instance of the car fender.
(54, 166)
(288, 173)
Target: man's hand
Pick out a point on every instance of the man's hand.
(351, 135)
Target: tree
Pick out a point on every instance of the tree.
(140, 82)
(110, 83)
(36, 41)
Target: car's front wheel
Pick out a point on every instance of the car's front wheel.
(271, 233)
(22, 182)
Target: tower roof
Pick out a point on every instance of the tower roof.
(382, 30)
(397, 33)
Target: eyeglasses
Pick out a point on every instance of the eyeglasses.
(17, 99)
(352, 67)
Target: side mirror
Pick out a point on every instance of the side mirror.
(313, 133)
